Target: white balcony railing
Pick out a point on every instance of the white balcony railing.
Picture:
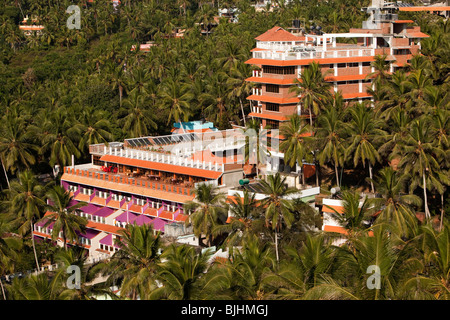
(313, 53)
(257, 91)
(257, 109)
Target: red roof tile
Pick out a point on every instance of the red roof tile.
(417, 35)
(422, 8)
(278, 34)
(404, 21)
(334, 229)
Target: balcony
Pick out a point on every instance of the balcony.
(150, 186)
(316, 52)
(257, 91)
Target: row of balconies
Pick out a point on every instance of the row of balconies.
(314, 53)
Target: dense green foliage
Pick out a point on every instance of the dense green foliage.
(66, 89)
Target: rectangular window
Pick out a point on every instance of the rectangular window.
(272, 107)
(342, 65)
(366, 64)
(273, 124)
(279, 70)
(352, 65)
(272, 88)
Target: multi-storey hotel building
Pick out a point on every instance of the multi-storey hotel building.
(344, 58)
(146, 181)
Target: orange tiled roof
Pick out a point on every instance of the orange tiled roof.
(103, 227)
(404, 21)
(302, 62)
(162, 167)
(329, 209)
(347, 77)
(278, 34)
(278, 100)
(417, 35)
(356, 95)
(268, 116)
(419, 8)
(31, 27)
(334, 229)
(206, 155)
(127, 188)
(270, 80)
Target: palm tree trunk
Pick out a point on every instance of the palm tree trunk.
(120, 95)
(276, 246)
(303, 174)
(442, 211)
(3, 289)
(34, 247)
(181, 126)
(242, 110)
(337, 174)
(427, 211)
(370, 176)
(6, 174)
(64, 241)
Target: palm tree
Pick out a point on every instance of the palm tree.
(356, 216)
(58, 133)
(396, 209)
(304, 267)
(138, 118)
(176, 97)
(381, 71)
(96, 128)
(330, 139)
(16, 151)
(63, 215)
(9, 244)
(297, 143)
(418, 158)
(258, 139)
(396, 96)
(26, 202)
(182, 272)
(278, 208)
(117, 80)
(215, 99)
(135, 264)
(356, 263)
(88, 273)
(244, 218)
(246, 273)
(434, 281)
(418, 83)
(364, 132)
(208, 210)
(35, 287)
(240, 88)
(312, 90)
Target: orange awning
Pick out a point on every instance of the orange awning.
(422, 8)
(270, 80)
(278, 100)
(171, 168)
(267, 116)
